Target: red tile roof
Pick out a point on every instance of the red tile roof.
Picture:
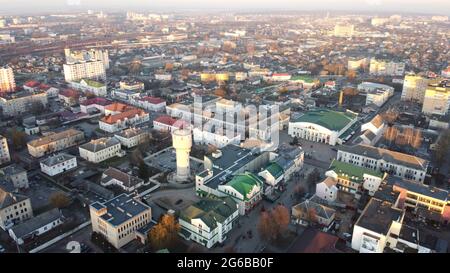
(32, 83)
(118, 107)
(99, 101)
(70, 93)
(153, 100)
(111, 119)
(168, 120)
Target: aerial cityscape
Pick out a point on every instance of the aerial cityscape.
(215, 130)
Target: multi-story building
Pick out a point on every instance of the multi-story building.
(378, 226)
(14, 208)
(94, 104)
(355, 64)
(311, 211)
(355, 179)
(372, 131)
(126, 117)
(378, 159)
(414, 87)
(132, 137)
(208, 221)
(7, 82)
(91, 86)
(228, 173)
(16, 175)
(120, 218)
(127, 182)
(131, 85)
(101, 149)
(55, 142)
(4, 150)
(151, 104)
(437, 98)
(323, 125)
(84, 70)
(18, 103)
(377, 93)
(59, 163)
(386, 68)
(88, 55)
(341, 30)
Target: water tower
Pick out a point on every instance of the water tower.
(182, 142)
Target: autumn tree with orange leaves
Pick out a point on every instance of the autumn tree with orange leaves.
(272, 224)
(165, 233)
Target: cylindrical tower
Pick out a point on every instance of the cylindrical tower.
(182, 142)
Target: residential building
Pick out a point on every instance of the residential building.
(372, 130)
(414, 87)
(344, 30)
(168, 124)
(437, 98)
(87, 55)
(132, 137)
(208, 221)
(425, 200)
(70, 97)
(378, 159)
(216, 138)
(355, 64)
(95, 104)
(327, 189)
(16, 175)
(36, 226)
(151, 104)
(84, 70)
(120, 218)
(101, 149)
(323, 125)
(18, 103)
(377, 227)
(7, 81)
(273, 174)
(313, 212)
(14, 208)
(131, 85)
(127, 182)
(4, 150)
(90, 86)
(290, 158)
(55, 142)
(226, 163)
(59, 163)
(386, 68)
(129, 117)
(354, 179)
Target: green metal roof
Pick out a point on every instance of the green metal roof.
(244, 183)
(275, 170)
(351, 172)
(93, 83)
(210, 211)
(332, 120)
(304, 78)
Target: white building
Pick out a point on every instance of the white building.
(131, 137)
(87, 85)
(127, 182)
(344, 30)
(16, 175)
(36, 226)
(55, 142)
(377, 227)
(217, 139)
(7, 82)
(373, 130)
(377, 93)
(437, 98)
(59, 163)
(95, 104)
(414, 87)
(119, 219)
(208, 221)
(18, 103)
(150, 104)
(323, 125)
(101, 149)
(394, 163)
(14, 208)
(386, 68)
(129, 117)
(87, 55)
(4, 150)
(355, 64)
(327, 189)
(84, 70)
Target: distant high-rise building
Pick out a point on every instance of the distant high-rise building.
(4, 150)
(341, 30)
(84, 70)
(437, 98)
(386, 68)
(7, 82)
(87, 55)
(414, 87)
(354, 64)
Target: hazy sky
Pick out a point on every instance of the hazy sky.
(416, 6)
